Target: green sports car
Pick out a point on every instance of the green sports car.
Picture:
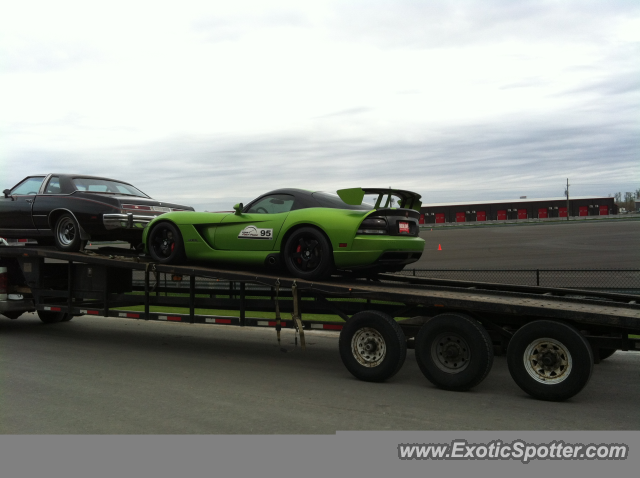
(312, 234)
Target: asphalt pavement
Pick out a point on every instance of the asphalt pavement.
(612, 244)
(97, 375)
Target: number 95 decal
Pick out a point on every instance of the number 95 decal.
(253, 232)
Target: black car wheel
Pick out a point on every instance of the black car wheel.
(308, 254)
(165, 244)
(454, 351)
(550, 360)
(372, 346)
(67, 234)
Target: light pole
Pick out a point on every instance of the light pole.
(567, 199)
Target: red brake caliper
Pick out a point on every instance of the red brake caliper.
(173, 244)
(299, 259)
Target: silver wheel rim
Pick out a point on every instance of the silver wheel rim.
(450, 352)
(368, 347)
(547, 361)
(66, 231)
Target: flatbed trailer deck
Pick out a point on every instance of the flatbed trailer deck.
(552, 337)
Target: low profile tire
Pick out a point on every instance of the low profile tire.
(165, 244)
(49, 317)
(308, 254)
(66, 234)
(550, 360)
(454, 351)
(372, 346)
(12, 314)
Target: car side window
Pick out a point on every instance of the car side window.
(28, 187)
(53, 187)
(272, 204)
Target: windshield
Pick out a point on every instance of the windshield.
(95, 185)
(334, 201)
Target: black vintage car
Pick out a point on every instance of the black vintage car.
(69, 209)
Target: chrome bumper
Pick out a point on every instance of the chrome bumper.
(125, 221)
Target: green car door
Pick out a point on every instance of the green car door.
(258, 228)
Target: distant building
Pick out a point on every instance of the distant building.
(514, 209)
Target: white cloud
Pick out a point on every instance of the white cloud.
(212, 95)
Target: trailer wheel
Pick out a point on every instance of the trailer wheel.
(372, 346)
(550, 360)
(49, 317)
(165, 243)
(454, 351)
(604, 354)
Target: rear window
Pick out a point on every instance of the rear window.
(106, 186)
(333, 201)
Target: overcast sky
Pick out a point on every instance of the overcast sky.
(210, 103)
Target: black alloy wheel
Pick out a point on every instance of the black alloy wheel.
(165, 244)
(308, 254)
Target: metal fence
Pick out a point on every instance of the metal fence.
(612, 280)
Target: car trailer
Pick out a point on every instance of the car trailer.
(552, 337)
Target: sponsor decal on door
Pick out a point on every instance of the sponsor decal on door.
(253, 232)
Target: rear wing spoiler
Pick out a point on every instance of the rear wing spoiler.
(406, 199)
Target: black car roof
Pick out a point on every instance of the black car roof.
(76, 176)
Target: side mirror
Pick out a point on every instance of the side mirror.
(238, 208)
(7, 192)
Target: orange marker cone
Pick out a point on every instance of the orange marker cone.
(439, 247)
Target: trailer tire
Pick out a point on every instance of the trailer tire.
(605, 353)
(454, 351)
(550, 360)
(49, 317)
(372, 346)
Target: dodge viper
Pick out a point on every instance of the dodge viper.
(312, 234)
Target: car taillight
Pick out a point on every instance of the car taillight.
(22, 240)
(139, 208)
(373, 225)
